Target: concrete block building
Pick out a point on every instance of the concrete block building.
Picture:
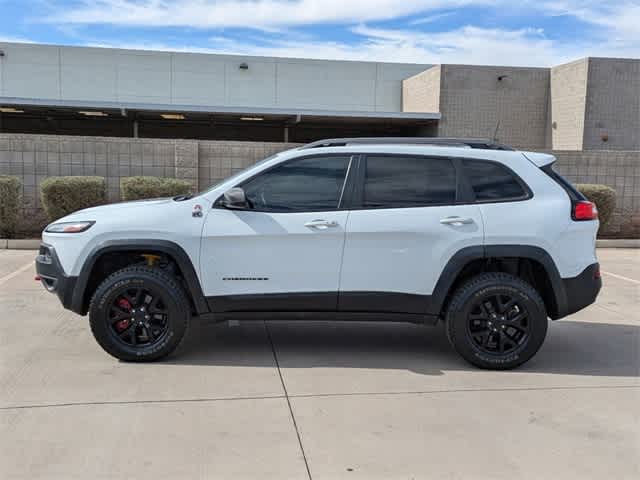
(589, 104)
(114, 112)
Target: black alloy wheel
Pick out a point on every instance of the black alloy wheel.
(138, 317)
(496, 321)
(139, 314)
(498, 324)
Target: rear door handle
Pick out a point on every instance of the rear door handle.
(321, 224)
(456, 221)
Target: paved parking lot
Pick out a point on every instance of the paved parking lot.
(318, 400)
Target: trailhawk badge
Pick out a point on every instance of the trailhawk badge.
(197, 211)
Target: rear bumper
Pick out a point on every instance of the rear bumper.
(581, 291)
(52, 275)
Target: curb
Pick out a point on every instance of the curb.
(20, 244)
(618, 243)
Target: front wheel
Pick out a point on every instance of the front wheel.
(139, 314)
(496, 321)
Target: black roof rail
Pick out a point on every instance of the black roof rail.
(481, 143)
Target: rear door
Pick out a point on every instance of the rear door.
(406, 222)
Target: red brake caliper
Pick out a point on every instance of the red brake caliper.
(122, 325)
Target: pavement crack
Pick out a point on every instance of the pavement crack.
(462, 390)
(312, 395)
(139, 402)
(286, 396)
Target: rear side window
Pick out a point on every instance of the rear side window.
(492, 182)
(400, 182)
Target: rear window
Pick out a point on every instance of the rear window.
(491, 181)
(401, 182)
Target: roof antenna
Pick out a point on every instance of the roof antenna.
(495, 133)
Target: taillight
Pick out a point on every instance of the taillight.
(584, 210)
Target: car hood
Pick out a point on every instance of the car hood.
(122, 207)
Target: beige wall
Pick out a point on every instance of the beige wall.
(421, 93)
(474, 103)
(513, 109)
(612, 104)
(568, 107)
(568, 104)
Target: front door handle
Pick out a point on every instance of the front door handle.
(456, 221)
(321, 224)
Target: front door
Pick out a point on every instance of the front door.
(284, 251)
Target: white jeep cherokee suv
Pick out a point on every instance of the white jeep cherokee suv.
(487, 239)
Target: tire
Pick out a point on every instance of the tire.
(490, 338)
(139, 314)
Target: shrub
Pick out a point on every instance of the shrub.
(10, 203)
(64, 195)
(603, 196)
(139, 188)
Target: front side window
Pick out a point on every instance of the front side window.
(491, 181)
(308, 184)
(401, 182)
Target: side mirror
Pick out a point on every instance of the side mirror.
(235, 198)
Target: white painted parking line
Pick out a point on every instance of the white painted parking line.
(24, 268)
(622, 278)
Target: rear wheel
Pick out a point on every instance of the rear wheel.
(496, 321)
(139, 314)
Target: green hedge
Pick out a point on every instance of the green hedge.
(139, 188)
(603, 196)
(10, 203)
(64, 195)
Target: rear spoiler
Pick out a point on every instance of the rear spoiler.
(539, 159)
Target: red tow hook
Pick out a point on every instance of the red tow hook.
(37, 278)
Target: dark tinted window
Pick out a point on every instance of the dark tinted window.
(492, 181)
(300, 185)
(394, 182)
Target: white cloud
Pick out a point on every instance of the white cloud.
(617, 22)
(9, 39)
(607, 28)
(469, 45)
(430, 18)
(246, 13)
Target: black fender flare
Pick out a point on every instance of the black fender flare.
(164, 246)
(466, 255)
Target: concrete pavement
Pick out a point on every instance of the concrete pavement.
(318, 399)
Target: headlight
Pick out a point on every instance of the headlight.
(69, 227)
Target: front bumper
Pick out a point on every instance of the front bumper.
(581, 291)
(52, 275)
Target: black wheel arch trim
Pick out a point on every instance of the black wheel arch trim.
(468, 254)
(172, 249)
(435, 303)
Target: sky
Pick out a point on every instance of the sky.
(485, 32)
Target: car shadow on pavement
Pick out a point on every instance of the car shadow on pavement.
(571, 348)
